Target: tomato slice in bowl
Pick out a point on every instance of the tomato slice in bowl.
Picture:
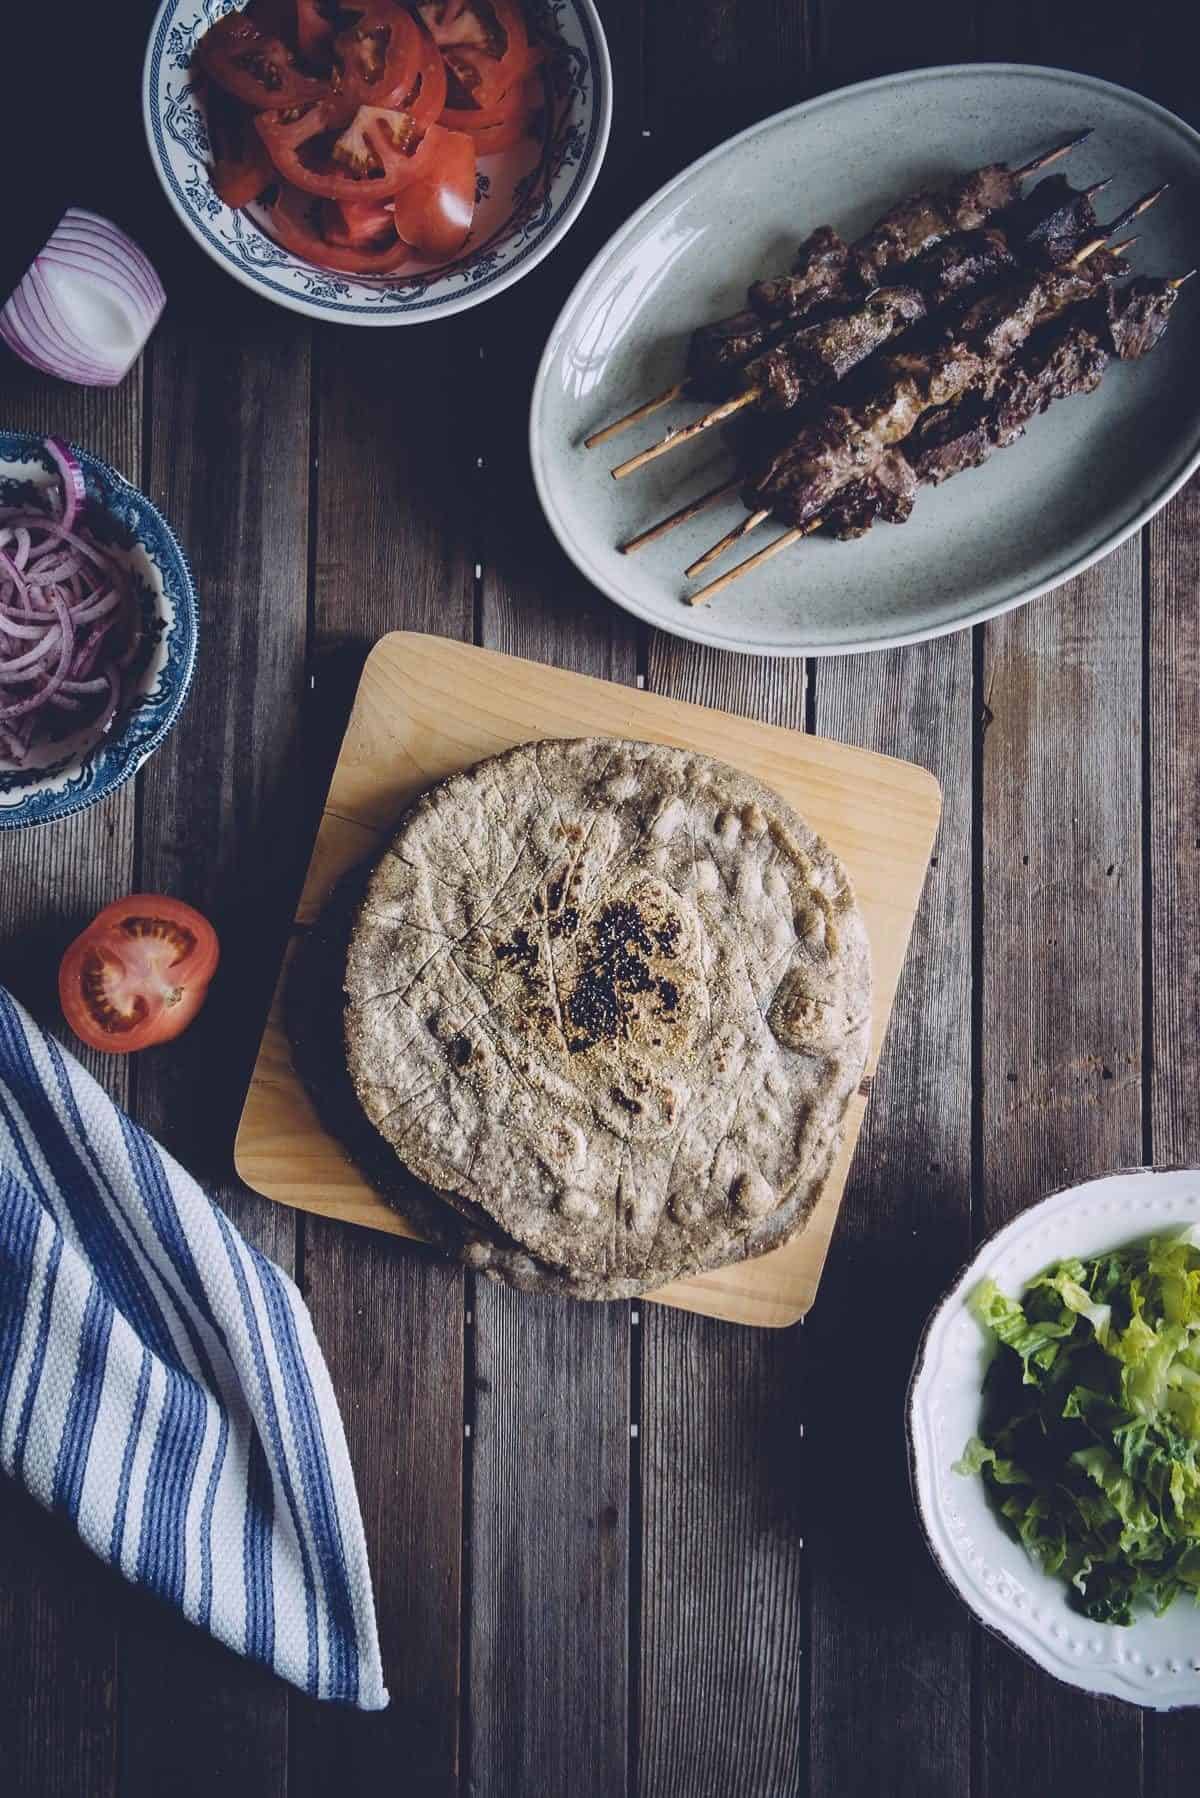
(138, 974)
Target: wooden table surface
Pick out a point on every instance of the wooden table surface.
(619, 1550)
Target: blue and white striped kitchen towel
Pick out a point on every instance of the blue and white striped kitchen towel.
(162, 1388)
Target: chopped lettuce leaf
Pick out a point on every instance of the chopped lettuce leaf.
(1096, 1470)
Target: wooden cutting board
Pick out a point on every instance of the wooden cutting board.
(427, 707)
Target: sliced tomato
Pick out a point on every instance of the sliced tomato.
(138, 974)
(426, 97)
(434, 209)
(496, 128)
(241, 167)
(253, 65)
(293, 224)
(314, 30)
(379, 55)
(485, 44)
(357, 224)
(324, 152)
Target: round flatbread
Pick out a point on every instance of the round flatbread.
(314, 1003)
(617, 997)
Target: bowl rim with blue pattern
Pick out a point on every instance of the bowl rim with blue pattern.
(542, 205)
(87, 771)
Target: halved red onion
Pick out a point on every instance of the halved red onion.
(88, 304)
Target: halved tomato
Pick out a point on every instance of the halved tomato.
(138, 974)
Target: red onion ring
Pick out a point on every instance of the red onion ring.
(65, 600)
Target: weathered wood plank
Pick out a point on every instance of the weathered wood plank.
(723, 1677)
(722, 1698)
(228, 463)
(723, 1680)
(392, 551)
(391, 1321)
(58, 1736)
(1060, 1020)
(549, 1518)
(548, 1524)
(548, 1547)
(58, 1608)
(1173, 836)
(888, 1640)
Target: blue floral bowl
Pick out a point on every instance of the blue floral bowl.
(527, 197)
(71, 772)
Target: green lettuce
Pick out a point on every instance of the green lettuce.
(1090, 1439)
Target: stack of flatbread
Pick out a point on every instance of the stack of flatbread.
(593, 1020)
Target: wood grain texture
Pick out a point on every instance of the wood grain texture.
(392, 548)
(1172, 825)
(1060, 1021)
(720, 1636)
(58, 1610)
(58, 1664)
(714, 1648)
(725, 1483)
(887, 1638)
(546, 1643)
(228, 463)
(391, 1322)
(548, 1545)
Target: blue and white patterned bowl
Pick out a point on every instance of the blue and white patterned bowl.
(72, 772)
(528, 196)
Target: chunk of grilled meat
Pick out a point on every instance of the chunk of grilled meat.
(819, 355)
(1047, 226)
(1051, 221)
(844, 441)
(905, 232)
(1064, 358)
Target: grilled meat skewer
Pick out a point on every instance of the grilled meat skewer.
(823, 257)
(1063, 359)
(916, 226)
(844, 440)
(817, 355)
(1134, 329)
(801, 357)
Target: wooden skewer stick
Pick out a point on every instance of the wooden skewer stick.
(1179, 280)
(635, 417)
(750, 523)
(754, 561)
(673, 439)
(691, 510)
(1044, 161)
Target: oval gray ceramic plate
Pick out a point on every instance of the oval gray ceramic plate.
(1085, 477)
